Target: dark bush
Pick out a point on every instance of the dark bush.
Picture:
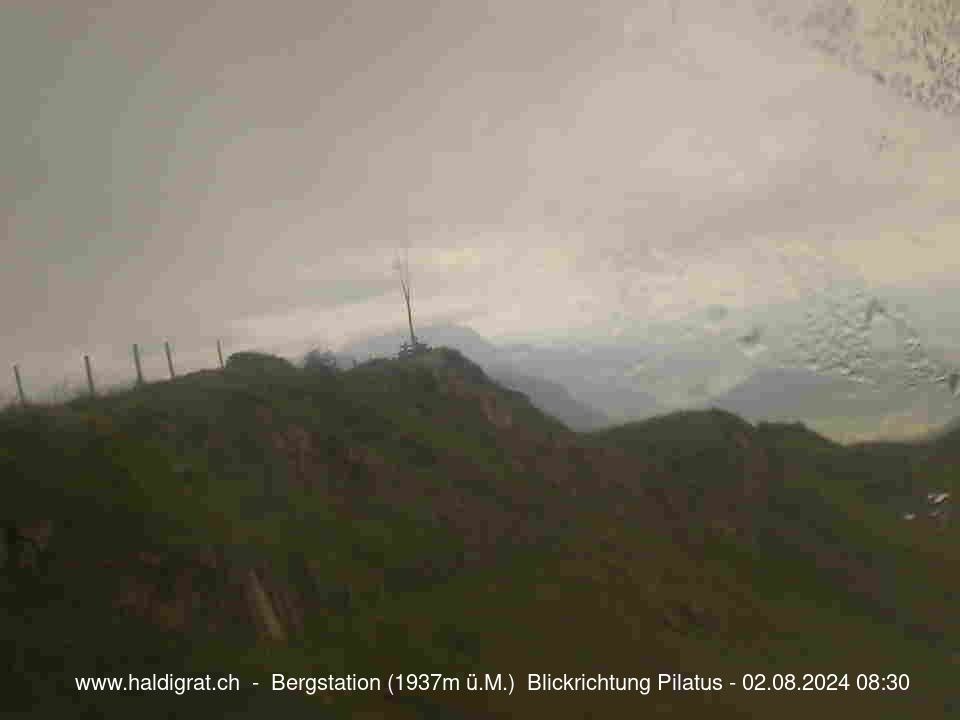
(259, 363)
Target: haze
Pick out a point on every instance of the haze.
(559, 173)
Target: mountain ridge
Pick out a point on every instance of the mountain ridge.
(269, 518)
(552, 397)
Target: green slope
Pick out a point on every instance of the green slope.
(412, 516)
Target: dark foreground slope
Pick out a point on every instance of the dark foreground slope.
(414, 517)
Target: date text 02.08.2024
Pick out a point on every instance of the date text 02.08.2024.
(825, 682)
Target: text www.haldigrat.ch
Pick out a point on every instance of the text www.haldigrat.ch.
(158, 683)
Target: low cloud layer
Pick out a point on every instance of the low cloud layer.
(251, 171)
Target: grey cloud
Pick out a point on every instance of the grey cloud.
(178, 169)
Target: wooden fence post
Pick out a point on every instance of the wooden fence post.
(136, 362)
(86, 362)
(220, 354)
(166, 347)
(16, 374)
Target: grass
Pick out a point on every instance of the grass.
(411, 534)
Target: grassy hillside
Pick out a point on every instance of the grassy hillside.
(411, 516)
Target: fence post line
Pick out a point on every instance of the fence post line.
(166, 347)
(16, 374)
(136, 362)
(220, 354)
(86, 362)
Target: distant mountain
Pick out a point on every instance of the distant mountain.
(796, 394)
(552, 398)
(529, 378)
(589, 384)
(788, 394)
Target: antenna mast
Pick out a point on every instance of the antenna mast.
(403, 267)
(405, 285)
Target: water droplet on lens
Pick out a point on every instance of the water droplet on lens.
(874, 308)
(750, 343)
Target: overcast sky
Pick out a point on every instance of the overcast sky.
(247, 170)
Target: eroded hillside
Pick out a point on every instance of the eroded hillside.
(414, 516)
